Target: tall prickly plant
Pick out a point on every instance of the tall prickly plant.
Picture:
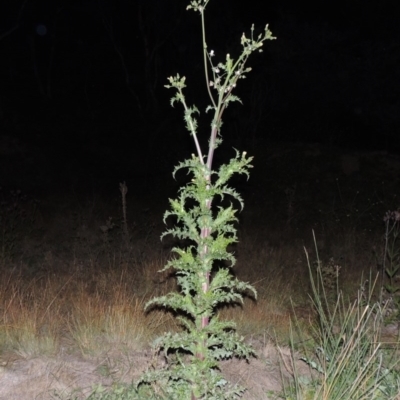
(192, 355)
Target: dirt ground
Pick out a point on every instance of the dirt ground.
(70, 374)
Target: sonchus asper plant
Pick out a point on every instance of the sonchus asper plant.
(191, 371)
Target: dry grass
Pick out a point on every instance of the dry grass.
(90, 287)
(93, 311)
(100, 310)
(97, 307)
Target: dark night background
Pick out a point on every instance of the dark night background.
(83, 104)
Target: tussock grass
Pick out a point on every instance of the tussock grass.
(31, 317)
(97, 324)
(348, 357)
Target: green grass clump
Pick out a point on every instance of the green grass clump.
(348, 361)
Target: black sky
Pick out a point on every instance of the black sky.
(82, 82)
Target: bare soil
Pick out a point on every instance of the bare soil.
(71, 375)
